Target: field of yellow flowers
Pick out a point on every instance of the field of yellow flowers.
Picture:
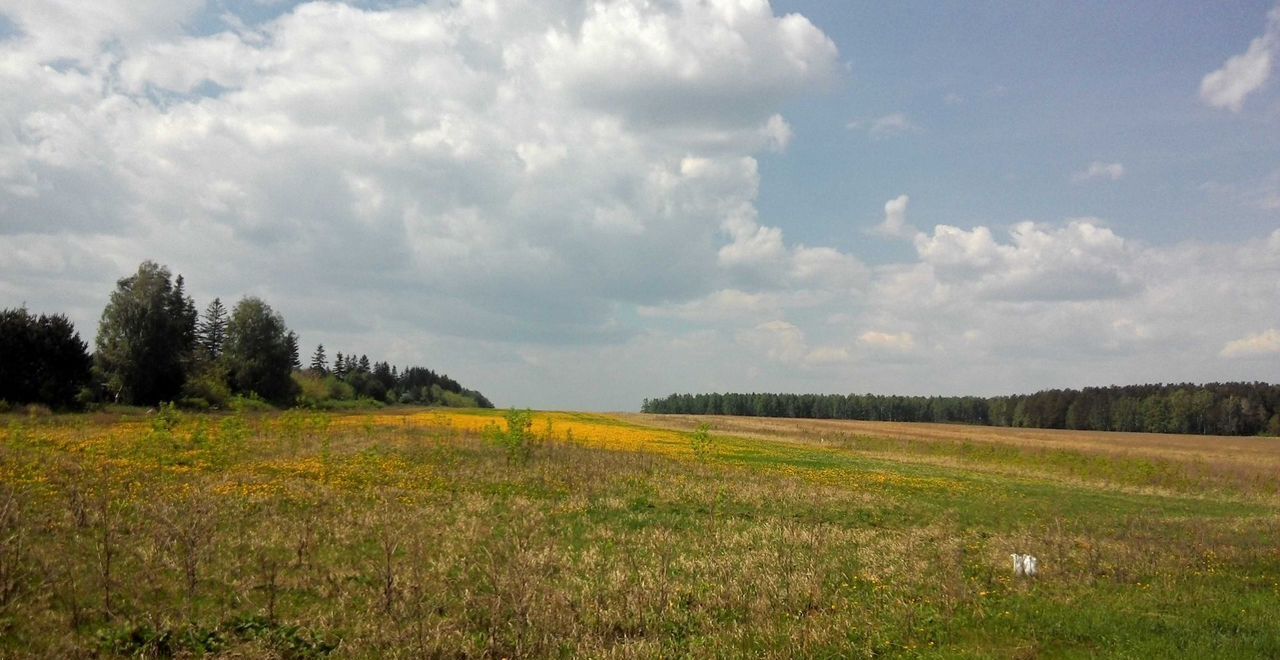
(432, 532)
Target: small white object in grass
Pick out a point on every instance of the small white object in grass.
(1024, 565)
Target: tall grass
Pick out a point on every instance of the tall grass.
(305, 535)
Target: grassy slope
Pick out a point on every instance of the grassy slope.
(386, 534)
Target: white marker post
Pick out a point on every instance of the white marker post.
(1024, 565)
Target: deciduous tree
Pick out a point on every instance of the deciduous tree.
(145, 337)
(257, 352)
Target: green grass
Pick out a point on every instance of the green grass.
(356, 535)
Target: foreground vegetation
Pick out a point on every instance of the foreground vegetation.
(423, 532)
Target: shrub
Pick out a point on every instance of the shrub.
(249, 403)
(193, 403)
(701, 442)
(312, 389)
(210, 385)
(518, 440)
(35, 410)
(350, 404)
(339, 390)
(454, 400)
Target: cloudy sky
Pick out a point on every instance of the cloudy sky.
(580, 204)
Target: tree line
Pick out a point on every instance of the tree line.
(153, 346)
(1212, 408)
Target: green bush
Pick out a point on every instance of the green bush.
(312, 389)
(249, 403)
(350, 404)
(701, 442)
(339, 390)
(210, 385)
(35, 410)
(194, 403)
(518, 440)
(454, 400)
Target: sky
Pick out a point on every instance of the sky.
(577, 205)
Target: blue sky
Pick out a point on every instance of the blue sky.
(578, 205)
(1038, 91)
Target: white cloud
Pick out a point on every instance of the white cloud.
(517, 192)
(901, 341)
(784, 343)
(532, 173)
(534, 163)
(890, 125)
(1100, 170)
(723, 305)
(67, 30)
(895, 224)
(1262, 343)
(688, 62)
(1079, 261)
(777, 340)
(1246, 73)
(828, 356)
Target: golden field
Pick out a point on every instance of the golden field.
(417, 533)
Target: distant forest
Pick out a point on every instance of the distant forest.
(153, 347)
(1211, 409)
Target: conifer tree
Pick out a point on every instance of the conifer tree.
(291, 342)
(42, 359)
(212, 330)
(319, 365)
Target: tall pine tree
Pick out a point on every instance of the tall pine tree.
(319, 364)
(212, 330)
(291, 342)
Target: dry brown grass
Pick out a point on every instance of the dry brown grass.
(1249, 465)
(376, 537)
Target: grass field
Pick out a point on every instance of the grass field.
(410, 534)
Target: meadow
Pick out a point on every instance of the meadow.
(429, 533)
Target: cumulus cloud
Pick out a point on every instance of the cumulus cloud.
(895, 224)
(778, 340)
(1262, 343)
(901, 341)
(785, 343)
(696, 61)
(517, 193)
(721, 305)
(525, 167)
(1246, 73)
(1100, 170)
(887, 126)
(1079, 261)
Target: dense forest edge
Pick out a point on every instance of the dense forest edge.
(1205, 409)
(153, 348)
